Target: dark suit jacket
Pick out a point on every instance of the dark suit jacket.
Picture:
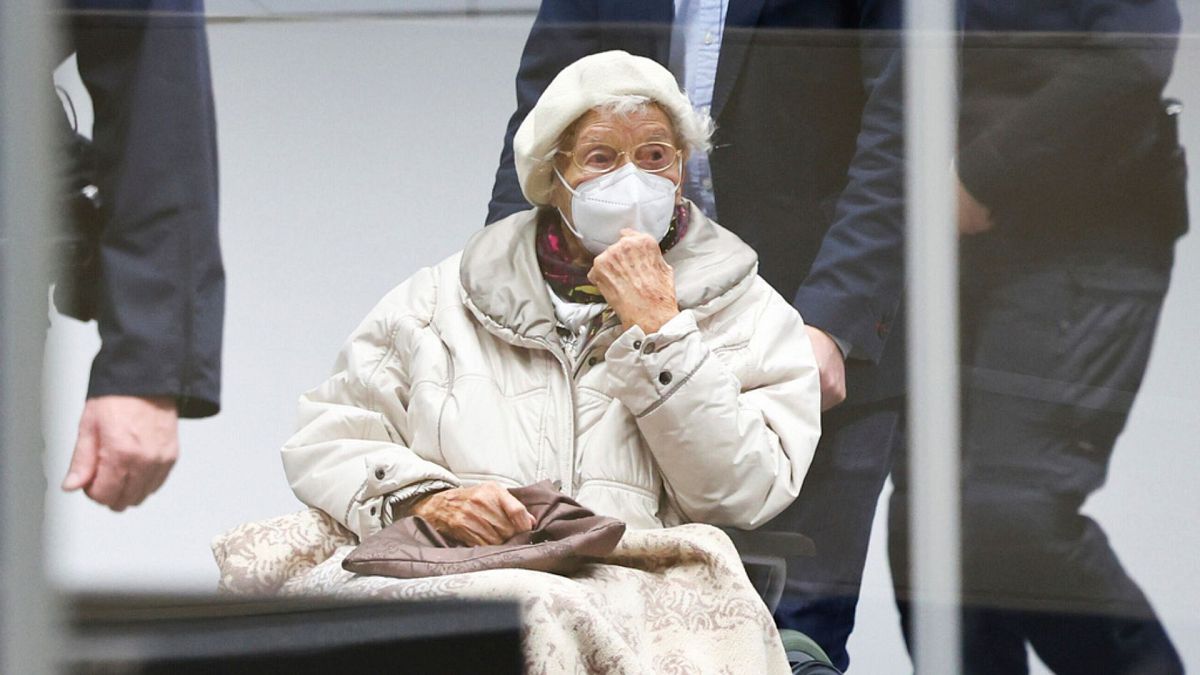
(161, 299)
(808, 155)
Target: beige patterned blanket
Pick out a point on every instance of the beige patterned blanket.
(665, 602)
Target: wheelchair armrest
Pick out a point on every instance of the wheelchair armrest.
(781, 544)
(765, 554)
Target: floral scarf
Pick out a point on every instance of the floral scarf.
(567, 278)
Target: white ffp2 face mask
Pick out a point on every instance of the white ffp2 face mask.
(626, 198)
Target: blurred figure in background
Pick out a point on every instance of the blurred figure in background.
(806, 167)
(1071, 198)
(141, 254)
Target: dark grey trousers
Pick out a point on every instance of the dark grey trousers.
(1054, 351)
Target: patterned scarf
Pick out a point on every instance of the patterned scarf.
(567, 278)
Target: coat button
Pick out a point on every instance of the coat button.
(664, 377)
(379, 473)
(593, 361)
(372, 510)
(649, 348)
(637, 344)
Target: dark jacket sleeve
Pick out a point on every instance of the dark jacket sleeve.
(1120, 59)
(163, 285)
(855, 285)
(563, 32)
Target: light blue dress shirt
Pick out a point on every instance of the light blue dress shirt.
(695, 50)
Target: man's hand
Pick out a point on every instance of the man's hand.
(830, 365)
(478, 515)
(636, 281)
(126, 447)
(973, 217)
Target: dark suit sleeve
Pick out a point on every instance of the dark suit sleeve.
(563, 32)
(856, 282)
(1089, 110)
(163, 285)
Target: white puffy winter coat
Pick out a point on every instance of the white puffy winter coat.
(458, 377)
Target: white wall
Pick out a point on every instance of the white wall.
(355, 151)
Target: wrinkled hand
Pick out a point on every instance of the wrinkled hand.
(636, 281)
(126, 447)
(478, 515)
(973, 217)
(830, 365)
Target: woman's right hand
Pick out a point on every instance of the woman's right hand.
(478, 515)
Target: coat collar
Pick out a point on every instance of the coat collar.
(503, 286)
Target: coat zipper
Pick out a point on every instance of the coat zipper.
(568, 476)
(566, 482)
(584, 349)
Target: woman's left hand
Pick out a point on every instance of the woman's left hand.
(636, 281)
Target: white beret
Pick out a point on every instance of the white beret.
(578, 88)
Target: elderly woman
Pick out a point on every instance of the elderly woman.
(612, 340)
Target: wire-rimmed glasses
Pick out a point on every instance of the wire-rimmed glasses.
(600, 158)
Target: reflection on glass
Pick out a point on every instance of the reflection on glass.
(1071, 197)
(1071, 194)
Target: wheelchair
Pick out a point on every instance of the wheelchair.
(765, 554)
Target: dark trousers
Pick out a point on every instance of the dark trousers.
(835, 508)
(1053, 354)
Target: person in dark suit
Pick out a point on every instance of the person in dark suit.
(146, 264)
(1072, 195)
(807, 169)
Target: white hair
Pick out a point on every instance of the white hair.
(694, 129)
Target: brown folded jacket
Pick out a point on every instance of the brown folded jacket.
(566, 536)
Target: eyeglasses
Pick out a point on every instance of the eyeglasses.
(597, 158)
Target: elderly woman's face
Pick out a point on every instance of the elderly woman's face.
(622, 133)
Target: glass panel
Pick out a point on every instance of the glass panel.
(1069, 141)
(359, 145)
